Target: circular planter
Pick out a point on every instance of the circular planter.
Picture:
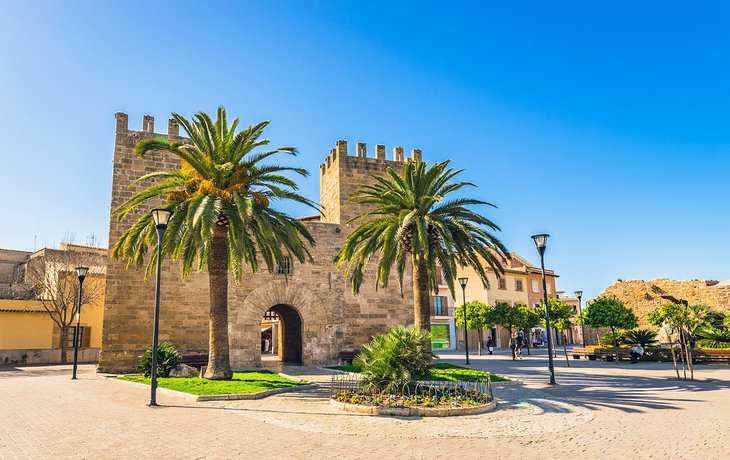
(414, 411)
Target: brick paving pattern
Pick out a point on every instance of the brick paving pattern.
(606, 409)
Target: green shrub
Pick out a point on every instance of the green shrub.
(643, 336)
(391, 361)
(607, 339)
(167, 359)
(710, 337)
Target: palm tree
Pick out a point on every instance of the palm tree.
(411, 222)
(222, 217)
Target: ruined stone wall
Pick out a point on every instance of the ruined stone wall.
(333, 318)
(644, 296)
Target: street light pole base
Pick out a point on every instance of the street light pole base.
(152, 405)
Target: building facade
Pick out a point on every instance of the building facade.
(28, 334)
(307, 309)
(516, 286)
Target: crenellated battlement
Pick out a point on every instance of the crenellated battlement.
(148, 126)
(340, 152)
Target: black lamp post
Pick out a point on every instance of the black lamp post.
(161, 216)
(81, 273)
(463, 282)
(579, 294)
(540, 242)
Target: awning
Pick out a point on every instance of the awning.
(264, 329)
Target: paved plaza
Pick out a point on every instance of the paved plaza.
(607, 409)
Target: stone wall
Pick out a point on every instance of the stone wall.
(644, 296)
(332, 317)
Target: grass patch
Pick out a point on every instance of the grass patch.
(442, 372)
(241, 383)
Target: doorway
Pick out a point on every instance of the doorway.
(281, 335)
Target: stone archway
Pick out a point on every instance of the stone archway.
(300, 307)
(289, 333)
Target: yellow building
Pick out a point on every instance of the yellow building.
(33, 283)
(516, 286)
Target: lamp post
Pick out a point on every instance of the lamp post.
(161, 216)
(579, 294)
(463, 282)
(81, 273)
(540, 242)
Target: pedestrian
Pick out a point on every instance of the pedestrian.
(490, 345)
(636, 353)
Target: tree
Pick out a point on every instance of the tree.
(223, 218)
(527, 318)
(561, 315)
(50, 277)
(609, 312)
(478, 315)
(505, 315)
(682, 319)
(413, 221)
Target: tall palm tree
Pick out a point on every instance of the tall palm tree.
(411, 221)
(222, 215)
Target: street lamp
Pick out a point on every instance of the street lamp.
(81, 273)
(463, 282)
(161, 216)
(579, 294)
(540, 242)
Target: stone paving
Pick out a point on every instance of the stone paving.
(607, 409)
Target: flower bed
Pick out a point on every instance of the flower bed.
(435, 398)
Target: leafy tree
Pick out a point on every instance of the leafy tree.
(478, 315)
(609, 312)
(412, 221)
(527, 318)
(681, 319)
(561, 315)
(505, 315)
(223, 218)
(641, 336)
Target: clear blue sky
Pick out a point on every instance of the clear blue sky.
(604, 124)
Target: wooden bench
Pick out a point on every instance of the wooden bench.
(346, 356)
(196, 361)
(610, 353)
(710, 355)
(589, 353)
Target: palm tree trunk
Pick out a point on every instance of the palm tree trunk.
(219, 367)
(421, 304)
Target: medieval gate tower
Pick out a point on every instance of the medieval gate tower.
(319, 314)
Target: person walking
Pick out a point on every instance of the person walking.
(490, 345)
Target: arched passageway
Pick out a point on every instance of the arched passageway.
(281, 334)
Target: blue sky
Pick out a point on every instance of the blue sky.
(604, 124)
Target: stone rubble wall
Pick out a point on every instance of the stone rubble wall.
(644, 296)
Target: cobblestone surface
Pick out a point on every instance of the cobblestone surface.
(611, 410)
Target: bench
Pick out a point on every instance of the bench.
(602, 353)
(589, 353)
(346, 356)
(710, 355)
(196, 361)
(610, 353)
